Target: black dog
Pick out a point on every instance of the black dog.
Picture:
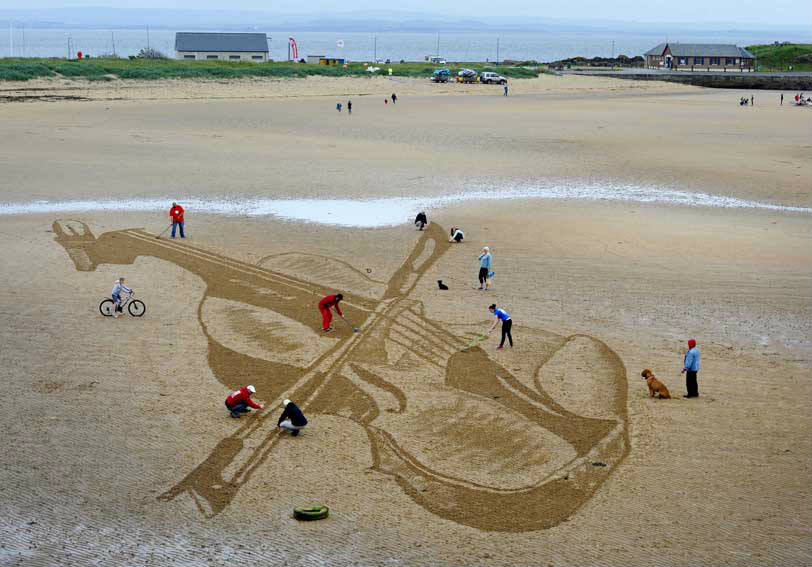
(441, 285)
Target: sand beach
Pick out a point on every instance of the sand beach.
(624, 218)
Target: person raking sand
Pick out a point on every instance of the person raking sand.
(176, 212)
(507, 324)
(327, 302)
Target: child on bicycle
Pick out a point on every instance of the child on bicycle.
(118, 287)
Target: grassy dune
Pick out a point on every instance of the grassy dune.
(109, 69)
(780, 57)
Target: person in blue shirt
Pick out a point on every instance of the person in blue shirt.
(690, 367)
(507, 323)
(485, 264)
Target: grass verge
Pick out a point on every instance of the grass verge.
(151, 69)
(781, 57)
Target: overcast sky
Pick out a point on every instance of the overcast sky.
(742, 12)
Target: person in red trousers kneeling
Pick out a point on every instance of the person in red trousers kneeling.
(327, 302)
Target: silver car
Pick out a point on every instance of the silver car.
(490, 78)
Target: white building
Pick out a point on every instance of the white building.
(222, 46)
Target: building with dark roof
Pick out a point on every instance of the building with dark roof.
(222, 46)
(708, 56)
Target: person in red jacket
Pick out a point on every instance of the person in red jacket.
(176, 212)
(238, 402)
(325, 304)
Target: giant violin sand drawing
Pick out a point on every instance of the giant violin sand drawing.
(536, 457)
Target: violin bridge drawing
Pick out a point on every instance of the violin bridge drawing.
(469, 438)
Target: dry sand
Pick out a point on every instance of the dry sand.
(118, 449)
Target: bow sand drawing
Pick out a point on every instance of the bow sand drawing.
(463, 436)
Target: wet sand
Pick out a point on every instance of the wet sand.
(261, 140)
(104, 419)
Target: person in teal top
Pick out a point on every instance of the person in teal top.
(485, 264)
(507, 323)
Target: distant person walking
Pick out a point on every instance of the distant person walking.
(394, 98)
(338, 106)
(485, 264)
(507, 324)
(349, 107)
(506, 89)
(292, 419)
(782, 99)
(176, 212)
(690, 367)
(328, 302)
(752, 100)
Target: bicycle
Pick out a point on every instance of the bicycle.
(136, 307)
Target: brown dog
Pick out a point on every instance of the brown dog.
(655, 386)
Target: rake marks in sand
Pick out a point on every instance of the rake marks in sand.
(399, 378)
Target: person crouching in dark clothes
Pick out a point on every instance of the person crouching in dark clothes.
(292, 419)
(456, 235)
(421, 220)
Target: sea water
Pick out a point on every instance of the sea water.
(382, 212)
(364, 46)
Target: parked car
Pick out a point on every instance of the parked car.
(490, 78)
(441, 75)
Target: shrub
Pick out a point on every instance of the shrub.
(150, 53)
